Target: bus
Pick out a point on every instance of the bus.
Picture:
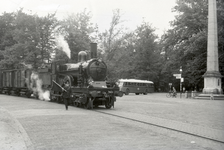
(135, 86)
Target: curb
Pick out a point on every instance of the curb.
(12, 127)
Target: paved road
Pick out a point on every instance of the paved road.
(35, 124)
(207, 113)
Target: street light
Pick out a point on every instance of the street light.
(180, 80)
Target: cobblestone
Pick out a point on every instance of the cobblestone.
(49, 126)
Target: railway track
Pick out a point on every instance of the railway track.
(219, 138)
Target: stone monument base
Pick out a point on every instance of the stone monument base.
(212, 83)
(210, 97)
(212, 91)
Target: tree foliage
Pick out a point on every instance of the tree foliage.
(46, 28)
(6, 28)
(147, 52)
(220, 19)
(186, 44)
(110, 44)
(27, 39)
(130, 54)
(77, 30)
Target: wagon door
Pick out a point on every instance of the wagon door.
(27, 77)
(14, 79)
(1, 79)
(19, 80)
(23, 79)
(8, 79)
(4, 79)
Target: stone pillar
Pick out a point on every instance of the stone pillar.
(212, 77)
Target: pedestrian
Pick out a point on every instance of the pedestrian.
(183, 89)
(66, 93)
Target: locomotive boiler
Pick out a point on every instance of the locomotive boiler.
(88, 81)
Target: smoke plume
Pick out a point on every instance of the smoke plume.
(36, 86)
(60, 41)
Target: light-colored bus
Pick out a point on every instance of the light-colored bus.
(136, 86)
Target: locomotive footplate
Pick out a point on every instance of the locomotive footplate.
(98, 92)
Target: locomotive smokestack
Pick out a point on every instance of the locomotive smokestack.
(93, 47)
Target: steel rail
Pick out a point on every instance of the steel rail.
(160, 126)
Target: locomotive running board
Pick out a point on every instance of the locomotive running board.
(56, 94)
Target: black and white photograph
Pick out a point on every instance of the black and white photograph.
(112, 75)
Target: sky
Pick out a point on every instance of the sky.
(158, 13)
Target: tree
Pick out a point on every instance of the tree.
(77, 30)
(186, 40)
(147, 56)
(6, 28)
(220, 19)
(6, 32)
(23, 37)
(46, 28)
(186, 43)
(31, 40)
(110, 39)
(119, 66)
(111, 44)
(130, 54)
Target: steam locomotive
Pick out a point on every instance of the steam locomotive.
(87, 79)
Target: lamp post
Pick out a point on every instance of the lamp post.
(180, 81)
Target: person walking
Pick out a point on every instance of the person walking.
(66, 93)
